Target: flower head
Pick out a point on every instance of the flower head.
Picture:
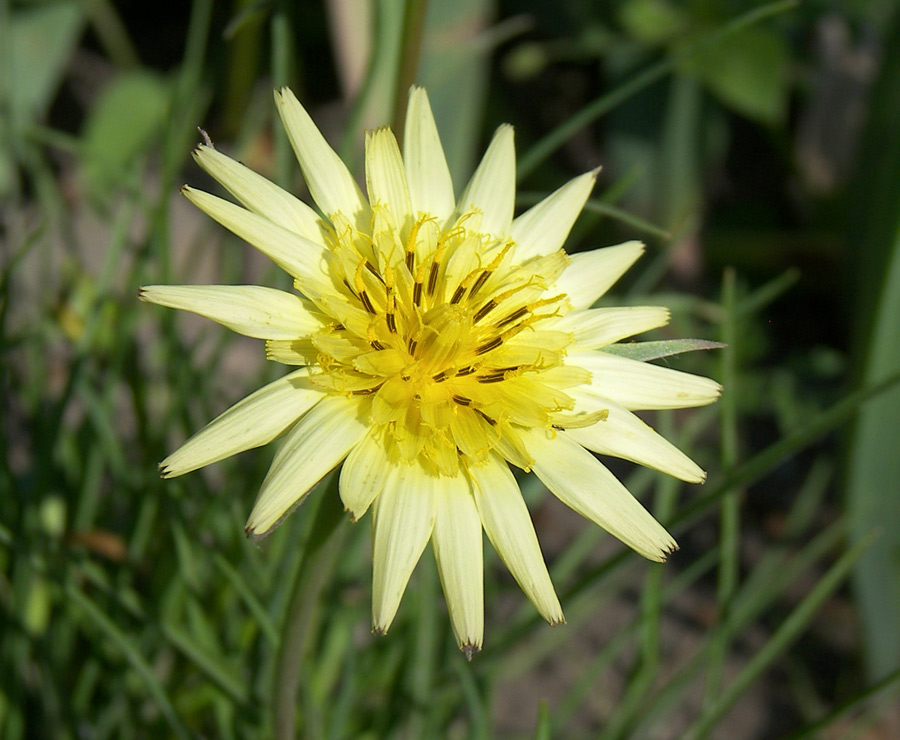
(438, 341)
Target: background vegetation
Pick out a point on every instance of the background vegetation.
(754, 147)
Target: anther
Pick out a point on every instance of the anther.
(484, 310)
(489, 345)
(517, 314)
(484, 416)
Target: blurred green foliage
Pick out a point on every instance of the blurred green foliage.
(135, 608)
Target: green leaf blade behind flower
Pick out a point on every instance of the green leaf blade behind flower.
(646, 351)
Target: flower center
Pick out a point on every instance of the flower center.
(444, 335)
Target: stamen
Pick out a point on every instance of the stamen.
(361, 287)
(432, 278)
(374, 270)
(462, 400)
(484, 416)
(367, 304)
(517, 314)
(366, 391)
(484, 310)
(489, 345)
(492, 378)
(482, 279)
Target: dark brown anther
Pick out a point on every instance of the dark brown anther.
(517, 314)
(432, 278)
(488, 346)
(366, 391)
(367, 304)
(462, 400)
(481, 280)
(374, 270)
(484, 416)
(494, 377)
(458, 294)
(484, 310)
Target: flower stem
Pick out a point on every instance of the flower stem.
(408, 65)
(302, 613)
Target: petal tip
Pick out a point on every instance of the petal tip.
(469, 650)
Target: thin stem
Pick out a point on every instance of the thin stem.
(299, 624)
(408, 65)
(729, 520)
(282, 54)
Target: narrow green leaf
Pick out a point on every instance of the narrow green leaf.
(644, 351)
(873, 465)
(133, 655)
(789, 630)
(130, 114)
(751, 74)
(213, 667)
(544, 728)
(41, 39)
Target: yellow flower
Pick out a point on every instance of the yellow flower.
(438, 341)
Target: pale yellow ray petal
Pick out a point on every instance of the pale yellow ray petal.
(321, 439)
(299, 257)
(640, 385)
(255, 421)
(457, 545)
(508, 526)
(582, 483)
(543, 228)
(330, 182)
(622, 434)
(598, 327)
(590, 274)
(430, 184)
(364, 474)
(251, 310)
(492, 189)
(259, 194)
(386, 177)
(403, 520)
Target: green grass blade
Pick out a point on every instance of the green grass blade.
(873, 462)
(133, 655)
(789, 630)
(889, 682)
(784, 448)
(210, 666)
